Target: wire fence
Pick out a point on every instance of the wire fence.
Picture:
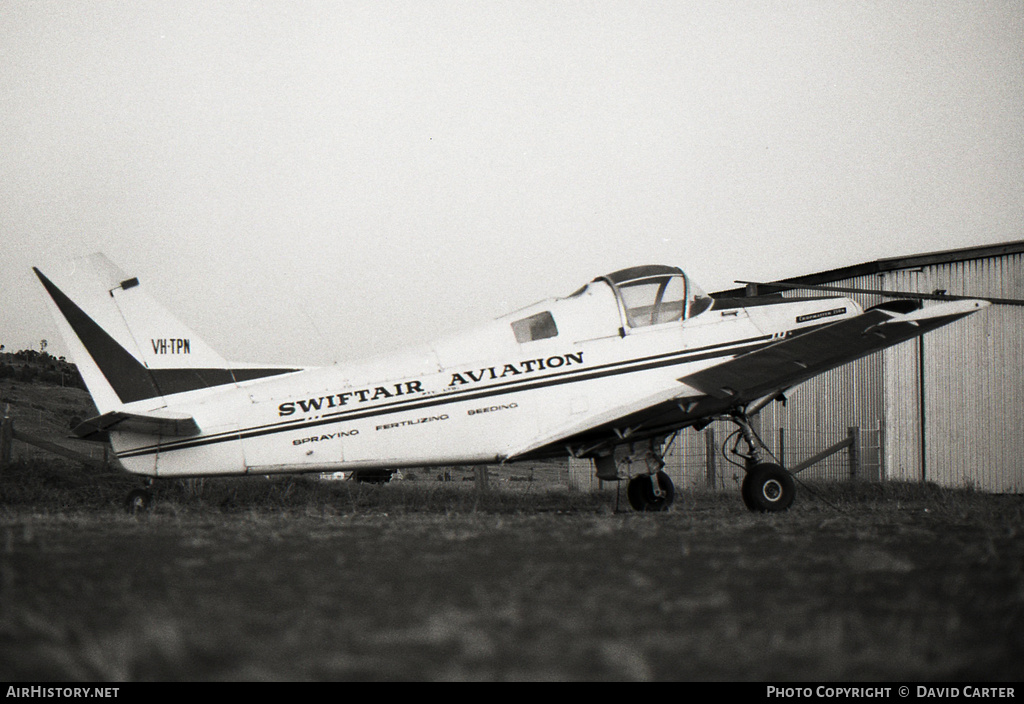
(708, 459)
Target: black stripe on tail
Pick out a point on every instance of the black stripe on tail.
(130, 379)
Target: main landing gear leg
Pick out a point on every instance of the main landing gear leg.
(767, 487)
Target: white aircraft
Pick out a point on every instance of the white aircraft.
(608, 372)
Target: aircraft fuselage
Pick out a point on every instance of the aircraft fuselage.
(469, 399)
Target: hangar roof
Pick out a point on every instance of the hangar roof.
(895, 263)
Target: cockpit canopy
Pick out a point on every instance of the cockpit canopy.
(640, 298)
(656, 294)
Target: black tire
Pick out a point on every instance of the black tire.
(768, 488)
(138, 501)
(633, 494)
(640, 492)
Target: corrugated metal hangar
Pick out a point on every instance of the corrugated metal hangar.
(944, 408)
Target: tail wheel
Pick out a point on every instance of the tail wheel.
(651, 492)
(768, 488)
(138, 501)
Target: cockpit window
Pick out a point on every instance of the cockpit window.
(653, 295)
(537, 327)
(653, 301)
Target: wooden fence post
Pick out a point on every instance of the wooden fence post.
(711, 472)
(482, 484)
(6, 440)
(854, 435)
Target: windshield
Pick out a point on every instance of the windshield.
(654, 295)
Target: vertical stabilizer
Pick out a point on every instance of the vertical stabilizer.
(147, 330)
(127, 347)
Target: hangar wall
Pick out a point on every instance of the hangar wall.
(944, 408)
(972, 377)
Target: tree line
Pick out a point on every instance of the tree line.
(39, 366)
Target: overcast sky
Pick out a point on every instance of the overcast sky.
(314, 182)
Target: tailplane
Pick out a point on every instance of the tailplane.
(127, 347)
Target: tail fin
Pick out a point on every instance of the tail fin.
(127, 347)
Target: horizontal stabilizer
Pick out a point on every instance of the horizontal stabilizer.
(164, 424)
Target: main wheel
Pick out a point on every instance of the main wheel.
(138, 501)
(768, 488)
(641, 494)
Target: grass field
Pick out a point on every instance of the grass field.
(305, 580)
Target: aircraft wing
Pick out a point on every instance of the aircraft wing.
(651, 406)
(752, 376)
(796, 359)
(165, 424)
